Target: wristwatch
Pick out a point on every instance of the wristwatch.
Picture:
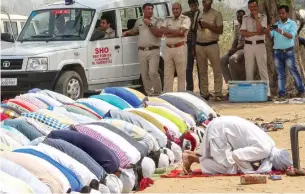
(282, 32)
(150, 25)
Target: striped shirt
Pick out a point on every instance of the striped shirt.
(34, 101)
(124, 160)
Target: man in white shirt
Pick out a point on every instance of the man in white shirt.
(232, 145)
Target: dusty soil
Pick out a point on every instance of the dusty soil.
(267, 111)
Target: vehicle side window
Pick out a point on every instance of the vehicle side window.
(7, 28)
(129, 17)
(107, 24)
(161, 10)
(22, 24)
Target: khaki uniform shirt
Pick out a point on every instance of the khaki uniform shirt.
(249, 24)
(146, 37)
(181, 22)
(238, 37)
(213, 17)
(109, 33)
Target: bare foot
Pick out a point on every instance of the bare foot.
(186, 171)
(186, 166)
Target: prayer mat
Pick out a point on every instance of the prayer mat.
(198, 173)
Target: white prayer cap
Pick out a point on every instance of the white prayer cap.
(128, 179)
(148, 167)
(170, 155)
(114, 184)
(177, 152)
(163, 161)
(93, 191)
(281, 159)
(102, 188)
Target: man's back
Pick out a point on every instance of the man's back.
(238, 132)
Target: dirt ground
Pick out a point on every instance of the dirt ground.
(267, 111)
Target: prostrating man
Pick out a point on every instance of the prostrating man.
(175, 28)
(149, 49)
(210, 26)
(235, 57)
(253, 29)
(300, 15)
(105, 27)
(191, 39)
(284, 33)
(232, 145)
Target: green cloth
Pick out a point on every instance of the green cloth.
(176, 120)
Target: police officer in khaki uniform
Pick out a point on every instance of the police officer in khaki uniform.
(210, 26)
(175, 28)
(253, 29)
(235, 57)
(149, 49)
(105, 26)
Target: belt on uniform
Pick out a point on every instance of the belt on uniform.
(206, 43)
(149, 48)
(284, 50)
(254, 42)
(175, 45)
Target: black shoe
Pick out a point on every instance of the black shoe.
(207, 98)
(281, 98)
(300, 95)
(270, 99)
(218, 98)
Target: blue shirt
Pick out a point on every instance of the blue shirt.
(280, 41)
(69, 174)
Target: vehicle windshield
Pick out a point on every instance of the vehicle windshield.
(57, 25)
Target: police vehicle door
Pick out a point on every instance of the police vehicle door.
(105, 55)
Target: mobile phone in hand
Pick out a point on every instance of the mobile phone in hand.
(273, 27)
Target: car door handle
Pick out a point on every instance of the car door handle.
(117, 46)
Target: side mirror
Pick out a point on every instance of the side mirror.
(7, 37)
(97, 35)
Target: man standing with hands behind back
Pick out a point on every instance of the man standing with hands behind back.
(175, 28)
(210, 26)
(149, 49)
(253, 29)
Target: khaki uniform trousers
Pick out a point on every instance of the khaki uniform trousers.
(256, 54)
(233, 67)
(149, 64)
(211, 53)
(175, 59)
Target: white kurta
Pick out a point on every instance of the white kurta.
(81, 171)
(233, 142)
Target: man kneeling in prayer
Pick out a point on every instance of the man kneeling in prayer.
(234, 145)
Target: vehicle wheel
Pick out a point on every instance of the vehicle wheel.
(70, 84)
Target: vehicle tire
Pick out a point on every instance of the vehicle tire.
(70, 84)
